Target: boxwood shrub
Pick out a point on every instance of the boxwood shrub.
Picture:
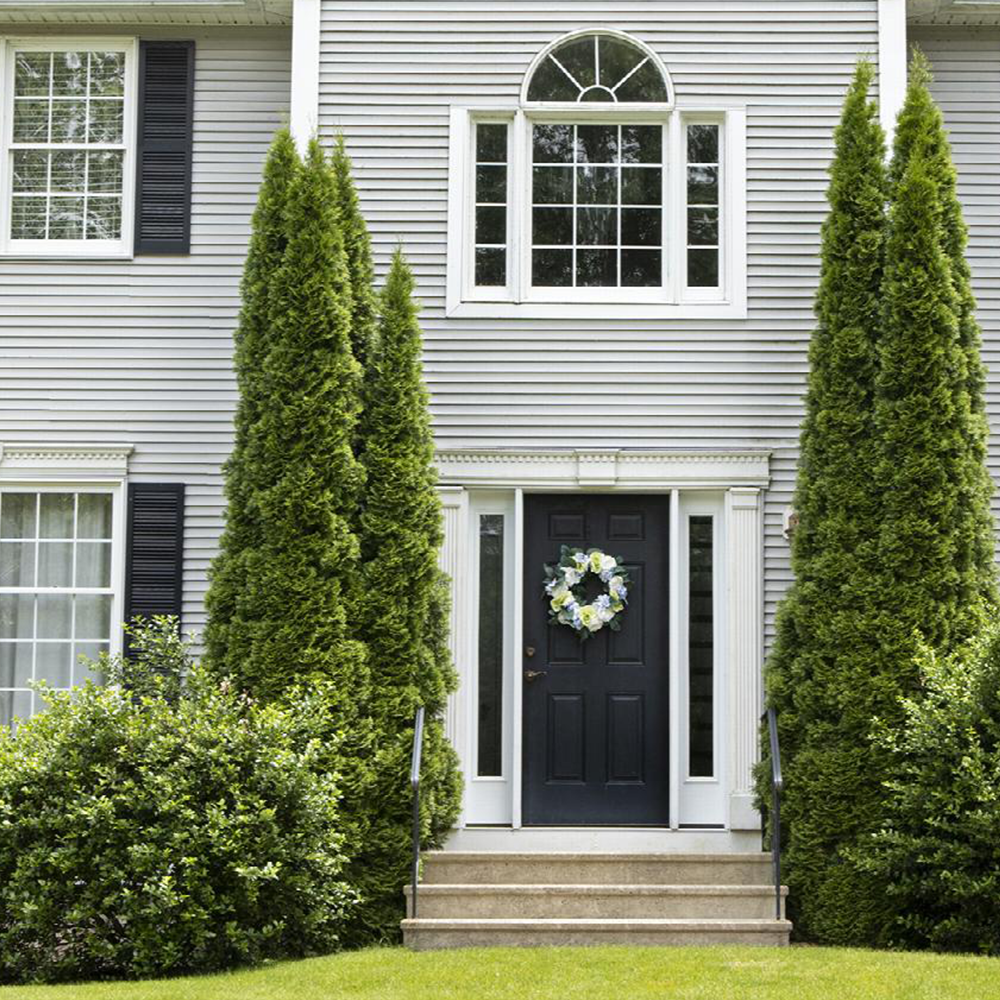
(149, 829)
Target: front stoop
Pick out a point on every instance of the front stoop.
(481, 900)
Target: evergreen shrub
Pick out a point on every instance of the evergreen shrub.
(149, 828)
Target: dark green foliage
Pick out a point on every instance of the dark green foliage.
(939, 855)
(290, 622)
(821, 661)
(251, 344)
(142, 835)
(404, 619)
(357, 247)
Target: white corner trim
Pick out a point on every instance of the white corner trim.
(64, 461)
(304, 113)
(891, 62)
(610, 469)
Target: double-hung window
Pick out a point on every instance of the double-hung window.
(69, 140)
(597, 191)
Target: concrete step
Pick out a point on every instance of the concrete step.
(597, 902)
(496, 868)
(426, 933)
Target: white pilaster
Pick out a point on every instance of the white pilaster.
(891, 61)
(454, 509)
(304, 113)
(745, 542)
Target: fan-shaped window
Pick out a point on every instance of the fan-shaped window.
(599, 68)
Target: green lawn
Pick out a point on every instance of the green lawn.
(574, 974)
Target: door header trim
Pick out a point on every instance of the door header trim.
(608, 469)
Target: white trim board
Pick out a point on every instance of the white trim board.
(610, 469)
(64, 462)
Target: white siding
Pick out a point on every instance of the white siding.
(389, 74)
(966, 66)
(140, 351)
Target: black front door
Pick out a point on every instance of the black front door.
(595, 713)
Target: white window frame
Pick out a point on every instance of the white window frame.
(120, 248)
(117, 588)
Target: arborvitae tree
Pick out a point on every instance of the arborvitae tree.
(921, 125)
(404, 621)
(357, 246)
(292, 621)
(824, 642)
(268, 238)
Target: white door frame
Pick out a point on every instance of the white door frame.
(736, 479)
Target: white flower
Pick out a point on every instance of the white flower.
(580, 558)
(608, 563)
(572, 577)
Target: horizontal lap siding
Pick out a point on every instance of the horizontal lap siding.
(966, 64)
(389, 74)
(140, 351)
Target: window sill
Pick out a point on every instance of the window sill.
(62, 256)
(597, 310)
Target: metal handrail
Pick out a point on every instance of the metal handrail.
(418, 741)
(777, 785)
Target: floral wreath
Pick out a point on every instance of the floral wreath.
(565, 589)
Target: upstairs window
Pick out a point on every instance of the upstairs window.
(597, 189)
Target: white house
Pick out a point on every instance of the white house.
(613, 212)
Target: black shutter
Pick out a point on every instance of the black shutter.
(154, 550)
(163, 171)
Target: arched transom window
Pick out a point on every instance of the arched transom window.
(596, 188)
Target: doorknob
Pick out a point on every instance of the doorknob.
(529, 651)
(533, 675)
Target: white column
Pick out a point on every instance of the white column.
(745, 551)
(891, 62)
(304, 112)
(455, 504)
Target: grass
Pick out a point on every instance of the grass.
(575, 974)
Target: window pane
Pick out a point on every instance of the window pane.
(597, 144)
(28, 218)
(552, 268)
(93, 564)
(618, 59)
(31, 170)
(107, 74)
(597, 185)
(93, 616)
(31, 74)
(553, 184)
(642, 227)
(66, 218)
(642, 144)
(17, 616)
(17, 515)
(104, 218)
(31, 121)
(642, 186)
(69, 74)
(703, 185)
(491, 266)
(491, 622)
(550, 83)
(703, 226)
(703, 143)
(552, 226)
(54, 663)
(55, 564)
(106, 121)
(645, 84)
(82, 670)
(491, 142)
(641, 268)
(597, 268)
(703, 268)
(54, 616)
(56, 515)
(69, 170)
(69, 121)
(104, 171)
(552, 143)
(491, 183)
(597, 226)
(14, 705)
(491, 225)
(94, 515)
(17, 564)
(701, 648)
(15, 664)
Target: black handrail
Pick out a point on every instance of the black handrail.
(418, 740)
(777, 785)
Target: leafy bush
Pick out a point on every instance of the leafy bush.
(144, 834)
(939, 853)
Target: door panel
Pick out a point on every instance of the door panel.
(595, 715)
